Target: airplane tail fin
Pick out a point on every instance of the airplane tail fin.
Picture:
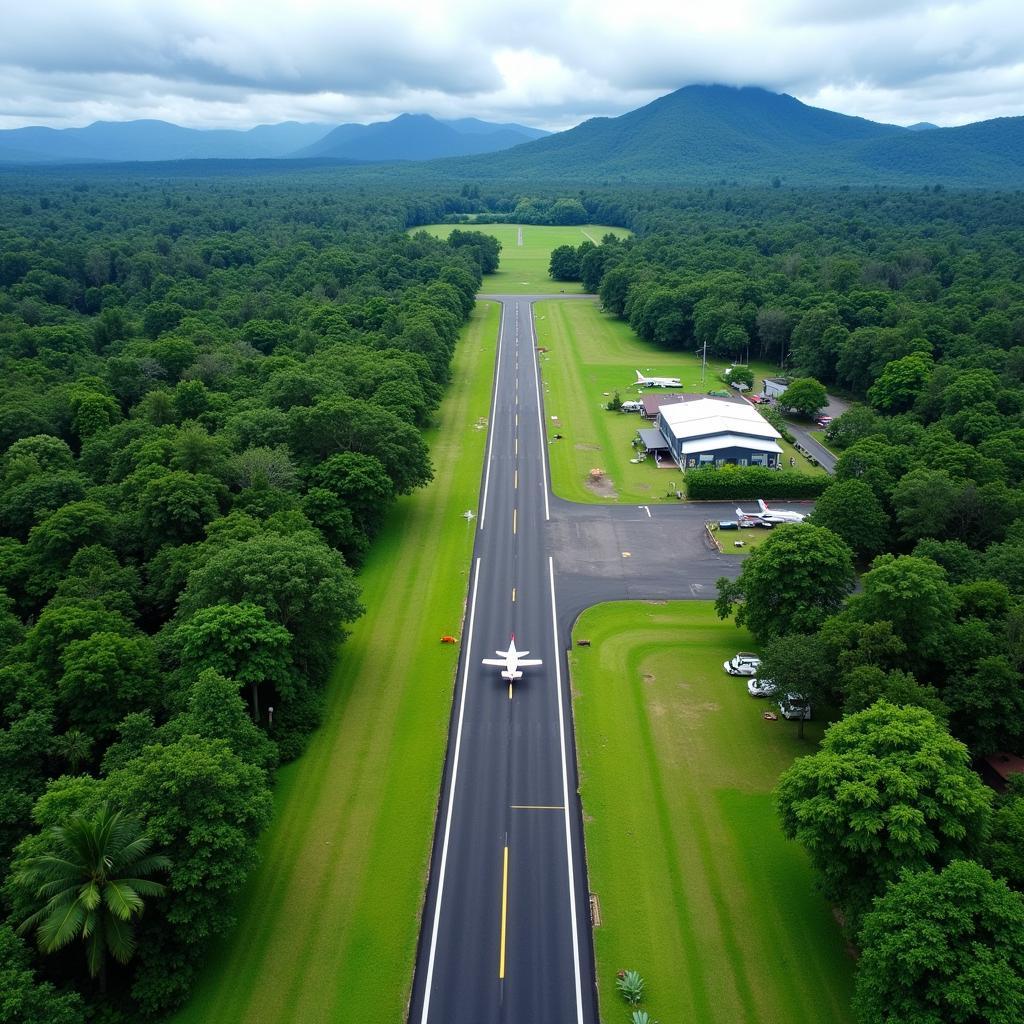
(639, 377)
(761, 505)
(741, 514)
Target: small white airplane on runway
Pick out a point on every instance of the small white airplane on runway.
(770, 516)
(657, 382)
(512, 661)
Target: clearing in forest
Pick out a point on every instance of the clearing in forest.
(526, 254)
(587, 355)
(697, 886)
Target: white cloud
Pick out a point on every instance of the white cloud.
(234, 63)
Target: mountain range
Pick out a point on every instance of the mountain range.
(407, 137)
(700, 134)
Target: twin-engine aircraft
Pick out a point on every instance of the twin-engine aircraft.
(770, 516)
(512, 661)
(657, 382)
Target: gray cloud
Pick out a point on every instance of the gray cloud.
(239, 63)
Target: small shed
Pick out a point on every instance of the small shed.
(774, 386)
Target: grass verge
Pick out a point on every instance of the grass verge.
(524, 268)
(328, 922)
(698, 888)
(589, 356)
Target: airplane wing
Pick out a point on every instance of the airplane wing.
(527, 662)
(495, 661)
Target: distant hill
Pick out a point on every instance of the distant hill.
(153, 140)
(921, 126)
(703, 134)
(418, 137)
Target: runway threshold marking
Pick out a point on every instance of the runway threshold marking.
(565, 800)
(451, 801)
(504, 909)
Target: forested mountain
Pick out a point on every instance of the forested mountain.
(153, 140)
(706, 134)
(417, 137)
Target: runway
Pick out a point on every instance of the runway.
(506, 934)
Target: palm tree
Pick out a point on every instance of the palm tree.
(74, 746)
(92, 880)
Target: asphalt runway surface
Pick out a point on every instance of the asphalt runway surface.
(506, 933)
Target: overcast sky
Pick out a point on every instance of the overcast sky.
(550, 63)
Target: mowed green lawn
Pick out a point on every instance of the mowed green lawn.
(589, 356)
(698, 888)
(327, 925)
(524, 268)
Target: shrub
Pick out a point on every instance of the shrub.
(748, 483)
(630, 986)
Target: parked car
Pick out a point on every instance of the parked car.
(743, 664)
(823, 421)
(632, 406)
(794, 705)
(761, 687)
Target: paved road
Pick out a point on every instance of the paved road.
(506, 927)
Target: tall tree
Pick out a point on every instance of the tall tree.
(791, 583)
(943, 947)
(889, 790)
(91, 883)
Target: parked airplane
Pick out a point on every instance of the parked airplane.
(657, 382)
(770, 516)
(511, 661)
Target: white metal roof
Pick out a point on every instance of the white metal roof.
(710, 416)
(720, 441)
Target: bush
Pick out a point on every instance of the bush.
(630, 986)
(748, 483)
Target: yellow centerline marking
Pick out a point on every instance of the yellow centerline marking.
(513, 595)
(513, 520)
(517, 446)
(509, 691)
(504, 911)
(516, 482)
(537, 807)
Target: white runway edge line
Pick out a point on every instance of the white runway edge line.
(540, 418)
(494, 413)
(451, 802)
(565, 802)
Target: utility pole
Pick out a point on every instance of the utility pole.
(703, 362)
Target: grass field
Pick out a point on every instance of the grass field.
(698, 888)
(589, 356)
(327, 925)
(524, 268)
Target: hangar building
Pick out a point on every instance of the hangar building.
(712, 432)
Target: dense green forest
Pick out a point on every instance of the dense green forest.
(213, 387)
(211, 393)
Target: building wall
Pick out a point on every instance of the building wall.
(729, 456)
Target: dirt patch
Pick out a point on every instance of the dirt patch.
(648, 678)
(587, 447)
(603, 488)
(657, 709)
